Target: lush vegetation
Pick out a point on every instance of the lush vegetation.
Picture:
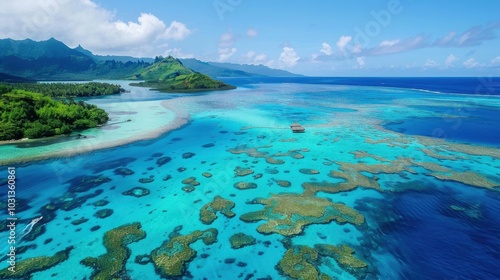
(186, 83)
(64, 90)
(53, 60)
(27, 114)
(170, 75)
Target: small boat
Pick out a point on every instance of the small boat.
(297, 128)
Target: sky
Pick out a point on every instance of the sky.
(315, 37)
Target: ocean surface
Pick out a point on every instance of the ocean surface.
(394, 178)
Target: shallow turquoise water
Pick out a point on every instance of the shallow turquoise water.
(407, 221)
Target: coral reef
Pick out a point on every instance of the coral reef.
(146, 180)
(241, 172)
(79, 221)
(469, 178)
(188, 155)
(245, 185)
(240, 240)
(283, 183)
(84, 183)
(298, 263)
(103, 213)
(123, 171)
(100, 203)
(162, 161)
(173, 256)
(137, 192)
(26, 267)
(308, 171)
(208, 213)
(112, 264)
(288, 214)
(343, 254)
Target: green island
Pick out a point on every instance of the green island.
(26, 114)
(170, 75)
(65, 90)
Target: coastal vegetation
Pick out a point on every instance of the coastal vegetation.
(65, 90)
(26, 114)
(170, 75)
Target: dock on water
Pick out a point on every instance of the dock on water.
(297, 128)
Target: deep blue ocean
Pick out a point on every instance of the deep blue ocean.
(422, 156)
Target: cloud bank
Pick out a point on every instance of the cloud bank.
(84, 22)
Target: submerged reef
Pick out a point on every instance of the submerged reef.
(112, 264)
(26, 267)
(241, 172)
(288, 214)
(298, 263)
(208, 213)
(283, 183)
(84, 183)
(123, 171)
(162, 161)
(103, 213)
(190, 184)
(137, 192)
(245, 185)
(469, 178)
(173, 256)
(344, 256)
(240, 240)
(304, 262)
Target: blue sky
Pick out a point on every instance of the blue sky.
(324, 38)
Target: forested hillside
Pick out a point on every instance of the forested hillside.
(26, 114)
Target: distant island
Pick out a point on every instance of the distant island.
(170, 75)
(34, 110)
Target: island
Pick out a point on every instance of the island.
(27, 114)
(170, 75)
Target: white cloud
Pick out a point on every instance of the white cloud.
(357, 49)
(431, 64)
(288, 57)
(495, 61)
(397, 46)
(250, 54)
(388, 43)
(226, 49)
(326, 49)
(226, 53)
(361, 61)
(260, 58)
(343, 42)
(472, 63)
(177, 31)
(253, 58)
(86, 23)
(177, 53)
(450, 60)
(252, 32)
(226, 40)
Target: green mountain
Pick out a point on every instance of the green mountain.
(43, 60)
(213, 71)
(6, 78)
(217, 69)
(170, 75)
(53, 60)
(117, 58)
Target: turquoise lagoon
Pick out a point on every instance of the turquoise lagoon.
(398, 175)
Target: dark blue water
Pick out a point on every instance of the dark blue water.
(460, 85)
(465, 124)
(441, 243)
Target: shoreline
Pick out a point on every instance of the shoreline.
(181, 118)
